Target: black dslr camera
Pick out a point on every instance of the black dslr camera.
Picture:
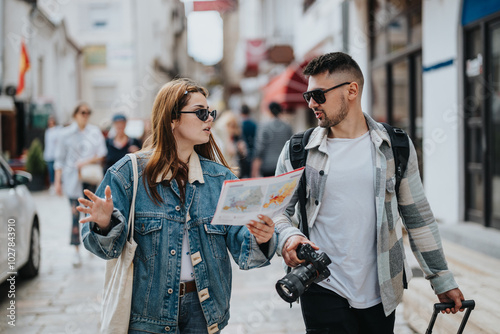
(315, 269)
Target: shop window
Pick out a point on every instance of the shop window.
(401, 96)
(379, 94)
(416, 27)
(397, 33)
(99, 16)
(394, 25)
(396, 67)
(95, 55)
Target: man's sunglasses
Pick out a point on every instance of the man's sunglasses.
(319, 94)
(202, 114)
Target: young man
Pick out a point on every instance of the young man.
(248, 133)
(352, 211)
(271, 136)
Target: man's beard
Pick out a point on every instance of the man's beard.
(337, 118)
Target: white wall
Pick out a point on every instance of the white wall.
(53, 60)
(441, 123)
(319, 30)
(103, 86)
(138, 36)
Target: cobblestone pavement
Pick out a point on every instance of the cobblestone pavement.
(64, 299)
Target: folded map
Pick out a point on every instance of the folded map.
(242, 200)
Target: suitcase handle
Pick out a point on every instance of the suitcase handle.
(466, 304)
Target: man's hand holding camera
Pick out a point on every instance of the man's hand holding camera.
(310, 266)
(289, 251)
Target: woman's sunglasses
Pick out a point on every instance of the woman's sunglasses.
(202, 114)
(319, 94)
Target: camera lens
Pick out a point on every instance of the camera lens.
(294, 284)
(285, 290)
(298, 280)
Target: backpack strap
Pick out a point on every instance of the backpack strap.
(298, 154)
(401, 151)
(298, 157)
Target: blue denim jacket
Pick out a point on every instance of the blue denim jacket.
(159, 231)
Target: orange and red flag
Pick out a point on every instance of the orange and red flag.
(24, 66)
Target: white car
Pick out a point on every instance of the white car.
(19, 225)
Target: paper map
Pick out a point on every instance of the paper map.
(242, 200)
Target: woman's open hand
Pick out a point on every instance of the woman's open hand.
(262, 230)
(99, 210)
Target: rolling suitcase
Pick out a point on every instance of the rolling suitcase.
(467, 304)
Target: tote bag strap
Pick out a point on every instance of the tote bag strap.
(131, 214)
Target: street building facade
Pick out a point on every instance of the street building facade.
(431, 68)
(126, 58)
(51, 82)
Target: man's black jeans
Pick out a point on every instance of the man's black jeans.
(326, 312)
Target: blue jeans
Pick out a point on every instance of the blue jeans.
(75, 227)
(50, 168)
(191, 318)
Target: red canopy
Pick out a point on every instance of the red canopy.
(287, 88)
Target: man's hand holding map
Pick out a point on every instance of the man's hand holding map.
(242, 200)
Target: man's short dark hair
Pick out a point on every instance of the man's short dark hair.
(275, 108)
(245, 110)
(335, 62)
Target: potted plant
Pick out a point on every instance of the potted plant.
(36, 165)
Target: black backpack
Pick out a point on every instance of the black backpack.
(298, 156)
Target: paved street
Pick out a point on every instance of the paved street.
(63, 299)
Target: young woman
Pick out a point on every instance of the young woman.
(49, 153)
(80, 144)
(182, 270)
(119, 144)
(227, 133)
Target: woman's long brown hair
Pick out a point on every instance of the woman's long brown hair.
(171, 98)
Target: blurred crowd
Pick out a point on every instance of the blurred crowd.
(252, 149)
(78, 155)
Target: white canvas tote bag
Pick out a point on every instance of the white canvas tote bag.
(118, 282)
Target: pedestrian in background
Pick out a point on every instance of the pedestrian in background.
(51, 139)
(227, 133)
(182, 269)
(80, 144)
(119, 144)
(248, 134)
(271, 137)
(352, 211)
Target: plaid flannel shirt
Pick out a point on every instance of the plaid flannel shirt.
(418, 219)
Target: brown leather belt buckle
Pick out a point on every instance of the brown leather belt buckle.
(182, 290)
(186, 287)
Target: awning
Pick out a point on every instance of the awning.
(473, 10)
(286, 88)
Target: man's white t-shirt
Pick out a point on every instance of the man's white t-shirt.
(345, 227)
